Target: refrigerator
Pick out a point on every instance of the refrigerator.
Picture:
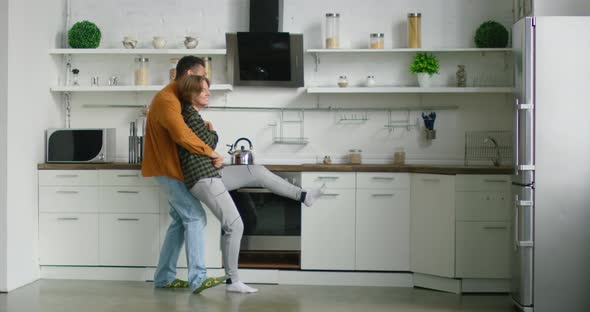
(550, 256)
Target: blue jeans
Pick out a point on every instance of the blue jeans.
(188, 225)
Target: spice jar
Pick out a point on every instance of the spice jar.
(172, 72)
(377, 41)
(414, 38)
(399, 157)
(141, 71)
(208, 68)
(332, 31)
(343, 82)
(355, 156)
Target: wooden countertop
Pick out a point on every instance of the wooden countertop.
(434, 169)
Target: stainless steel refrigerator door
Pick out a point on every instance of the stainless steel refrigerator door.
(522, 245)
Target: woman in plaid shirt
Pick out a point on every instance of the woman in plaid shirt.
(211, 185)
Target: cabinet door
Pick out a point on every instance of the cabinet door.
(433, 225)
(482, 206)
(483, 249)
(382, 230)
(125, 178)
(129, 239)
(212, 243)
(68, 238)
(68, 199)
(328, 232)
(68, 177)
(128, 199)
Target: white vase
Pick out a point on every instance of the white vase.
(424, 80)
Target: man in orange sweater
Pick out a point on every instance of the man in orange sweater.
(164, 130)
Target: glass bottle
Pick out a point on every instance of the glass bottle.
(208, 68)
(414, 37)
(75, 73)
(68, 74)
(377, 41)
(141, 71)
(332, 30)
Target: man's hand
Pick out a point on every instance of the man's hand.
(209, 125)
(217, 160)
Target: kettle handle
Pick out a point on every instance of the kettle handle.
(242, 139)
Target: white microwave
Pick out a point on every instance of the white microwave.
(67, 145)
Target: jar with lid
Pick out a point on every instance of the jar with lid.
(332, 30)
(208, 69)
(370, 81)
(355, 156)
(399, 156)
(141, 71)
(414, 37)
(172, 71)
(342, 82)
(377, 41)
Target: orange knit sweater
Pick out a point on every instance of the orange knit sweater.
(165, 129)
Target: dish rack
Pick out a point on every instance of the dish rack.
(478, 149)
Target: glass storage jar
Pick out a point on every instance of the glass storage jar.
(141, 71)
(208, 68)
(332, 30)
(377, 41)
(414, 37)
(342, 82)
(172, 71)
(355, 156)
(371, 81)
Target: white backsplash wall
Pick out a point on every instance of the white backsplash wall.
(448, 24)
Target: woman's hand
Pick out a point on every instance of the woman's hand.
(217, 160)
(209, 125)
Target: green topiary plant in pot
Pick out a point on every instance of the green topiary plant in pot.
(84, 35)
(491, 34)
(424, 66)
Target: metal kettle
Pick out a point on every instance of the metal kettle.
(241, 156)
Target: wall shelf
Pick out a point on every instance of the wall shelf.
(334, 90)
(477, 50)
(152, 88)
(138, 51)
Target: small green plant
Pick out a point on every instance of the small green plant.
(84, 35)
(425, 63)
(491, 34)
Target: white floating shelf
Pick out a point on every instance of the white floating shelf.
(409, 90)
(140, 51)
(408, 50)
(153, 88)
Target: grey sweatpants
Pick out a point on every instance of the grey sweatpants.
(213, 192)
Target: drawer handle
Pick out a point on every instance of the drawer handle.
(128, 219)
(128, 175)
(128, 192)
(67, 219)
(67, 176)
(330, 195)
(67, 192)
(430, 180)
(495, 227)
(495, 181)
(382, 195)
(328, 178)
(383, 178)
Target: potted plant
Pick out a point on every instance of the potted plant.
(424, 66)
(491, 34)
(84, 35)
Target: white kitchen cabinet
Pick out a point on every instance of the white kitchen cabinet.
(128, 239)
(382, 230)
(483, 250)
(482, 206)
(68, 177)
(328, 227)
(124, 178)
(433, 225)
(68, 199)
(129, 199)
(68, 238)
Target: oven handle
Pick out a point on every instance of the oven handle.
(253, 190)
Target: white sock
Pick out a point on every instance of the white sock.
(240, 287)
(312, 195)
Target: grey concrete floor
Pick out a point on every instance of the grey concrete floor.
(90, 296)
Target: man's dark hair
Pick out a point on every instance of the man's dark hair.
(186, 63)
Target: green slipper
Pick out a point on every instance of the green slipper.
(210, 282)
(177, 283)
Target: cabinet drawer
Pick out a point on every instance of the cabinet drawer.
(128, 239)
(341, 180)
(68, 238)
(68, 199)
(482, 206)
(383, 180)
(125, 178)
(483, 250)
(500, 183)
(68, 177)
(121, 199)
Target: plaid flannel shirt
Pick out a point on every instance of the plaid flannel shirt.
(195, 166)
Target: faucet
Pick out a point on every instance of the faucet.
(498, 159)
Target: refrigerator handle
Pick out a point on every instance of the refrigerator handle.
(516, 137)
(516, 221)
